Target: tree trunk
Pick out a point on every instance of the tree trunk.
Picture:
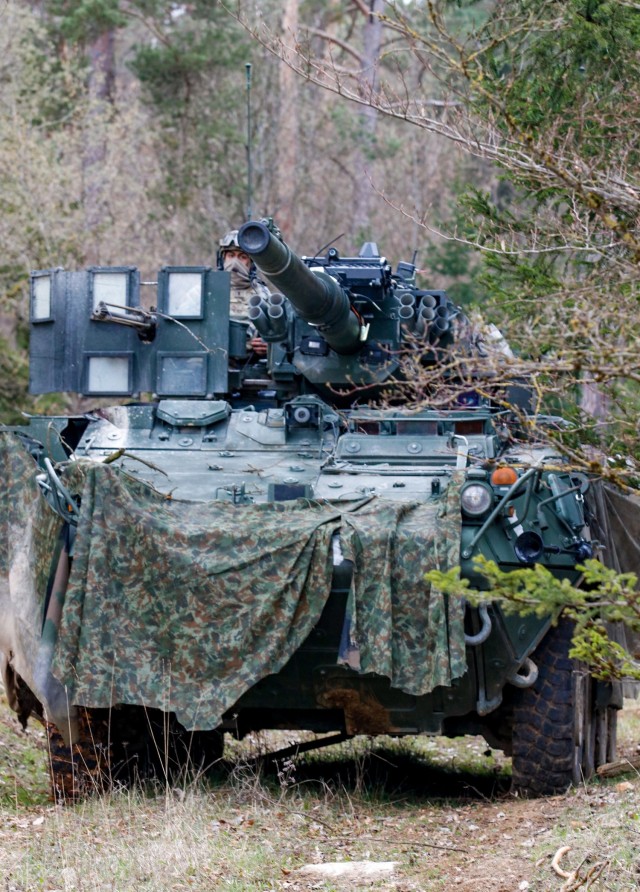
(593, 401)
(101, 85)
(372, 38)
(287, 129)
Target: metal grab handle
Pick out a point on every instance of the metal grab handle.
(524, 681)
(67, 509)
(485, 630)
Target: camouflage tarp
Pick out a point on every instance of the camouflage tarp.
(406, 630)
(618, 530)
(184, 606)
(29, 535)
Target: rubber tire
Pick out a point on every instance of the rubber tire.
(555, 730)
(82, 769)
(122, 747)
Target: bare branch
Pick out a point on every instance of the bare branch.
(331, 38)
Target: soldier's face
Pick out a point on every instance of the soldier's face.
(235, 254)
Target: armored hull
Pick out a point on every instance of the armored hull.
(240, 551)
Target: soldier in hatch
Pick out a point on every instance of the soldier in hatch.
(244, 283)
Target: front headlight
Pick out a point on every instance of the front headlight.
(476, 499)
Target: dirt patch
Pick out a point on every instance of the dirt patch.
(487, 847)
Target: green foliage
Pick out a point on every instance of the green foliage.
(50, 85)
(194, 83)
(511, 277)
(604, 597)
(196, 49)
(550, 91)
(590, 37)
(82, 22)
(556, 80)
(456, 260)
(579, 58)
(458, 264)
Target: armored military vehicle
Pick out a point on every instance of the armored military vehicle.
(246, 547)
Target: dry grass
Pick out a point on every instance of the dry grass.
(248, 831)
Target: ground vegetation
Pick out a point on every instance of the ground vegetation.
(433, 807)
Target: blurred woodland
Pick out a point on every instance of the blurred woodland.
(497, 140)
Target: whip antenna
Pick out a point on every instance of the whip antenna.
(248, 74)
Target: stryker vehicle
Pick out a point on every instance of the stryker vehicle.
(246, 548)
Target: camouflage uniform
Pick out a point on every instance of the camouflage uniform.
(240, 297)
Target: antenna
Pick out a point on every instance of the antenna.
(328, 245)
(247, 68)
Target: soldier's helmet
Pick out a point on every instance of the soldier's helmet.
(229, 240)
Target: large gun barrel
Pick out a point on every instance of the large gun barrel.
(317, 298)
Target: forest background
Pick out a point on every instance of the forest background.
(496, 140)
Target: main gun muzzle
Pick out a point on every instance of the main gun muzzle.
(317, 298)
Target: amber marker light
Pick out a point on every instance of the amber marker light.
(504, 476)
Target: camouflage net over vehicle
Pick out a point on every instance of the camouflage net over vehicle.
(29, 533)
(183, 606)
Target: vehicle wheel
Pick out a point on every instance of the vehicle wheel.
(560, 736)
(84, 768)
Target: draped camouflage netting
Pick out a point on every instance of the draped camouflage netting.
(184, 606)
(30, 535)
(406, 629)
